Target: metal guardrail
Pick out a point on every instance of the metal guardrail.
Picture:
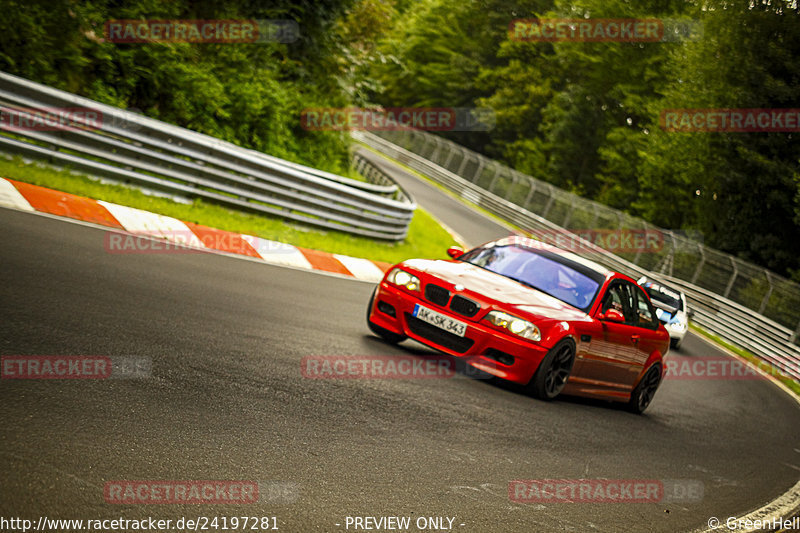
(721, 316)
(372, 173)
(135, 149)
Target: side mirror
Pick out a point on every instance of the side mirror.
(612, 315)
(455, 252)
(690, 313)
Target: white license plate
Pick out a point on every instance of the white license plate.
(439, 320)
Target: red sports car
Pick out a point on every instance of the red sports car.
(532, 314)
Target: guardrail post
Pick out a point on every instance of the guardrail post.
(699, 268)
(549, 203)
(477, 175)
(465, 158)
(494, 179)
(733, 277)
(765, 300)
(426, 143)
(435, 154)
(530, 194)
(667, 263)
(450, 152)
(568, 216)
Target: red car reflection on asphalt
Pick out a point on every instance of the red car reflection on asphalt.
(532, 314)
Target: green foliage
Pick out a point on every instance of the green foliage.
(738, 189)
(585, 115)
(249, 94)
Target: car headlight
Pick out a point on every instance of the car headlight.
(514, 324)
(404, 279)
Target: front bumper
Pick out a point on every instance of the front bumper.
(479, 346)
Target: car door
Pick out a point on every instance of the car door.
(612, 361)
(647, 324)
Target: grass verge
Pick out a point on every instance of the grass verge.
(790, 383)
(425, 239)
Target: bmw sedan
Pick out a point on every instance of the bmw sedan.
(532, 314)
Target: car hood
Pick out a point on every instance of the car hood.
(494, 288)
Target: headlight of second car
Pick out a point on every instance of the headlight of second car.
(404, 279)
(514, 324)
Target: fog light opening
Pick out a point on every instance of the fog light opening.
(385, 308)
(501, 357)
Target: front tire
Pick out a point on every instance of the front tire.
(554, 371)
(643, 394)
(388, 336)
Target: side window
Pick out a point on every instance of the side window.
(645, 315)
(612, 299)
(619, 297)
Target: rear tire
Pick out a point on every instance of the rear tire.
(675, 344)
(388, 336)
(643, 394)
(554, 371)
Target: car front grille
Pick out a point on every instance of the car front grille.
(464, 306)
(441, 337)
(436, 294)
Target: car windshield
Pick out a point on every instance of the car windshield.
(661, 295)
(545, 271)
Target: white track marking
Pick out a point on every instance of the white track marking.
(278, 253)
(360, 268)
(147, 223)
(11, 197)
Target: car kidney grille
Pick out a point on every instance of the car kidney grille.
(441, 337)
(464, 306)
(436, 294)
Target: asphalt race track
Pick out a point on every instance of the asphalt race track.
(227, 401)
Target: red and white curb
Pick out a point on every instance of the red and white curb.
(27, 197)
